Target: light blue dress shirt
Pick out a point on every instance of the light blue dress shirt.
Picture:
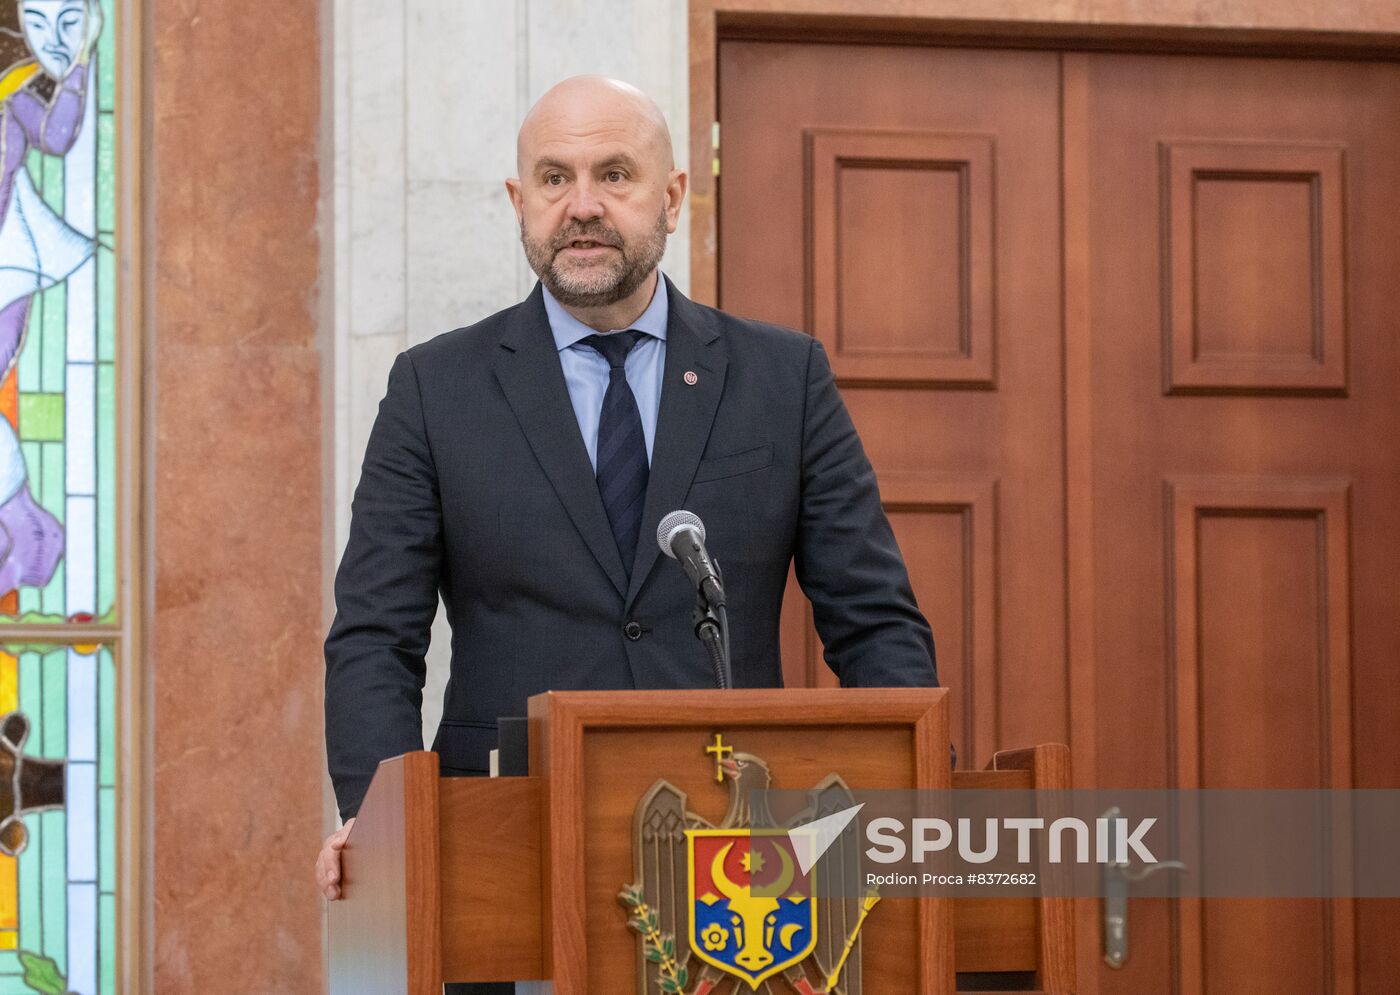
(586, 372)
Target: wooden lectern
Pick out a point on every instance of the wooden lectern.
(513, 879)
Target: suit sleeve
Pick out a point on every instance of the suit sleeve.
(847, 561)
(386, 597)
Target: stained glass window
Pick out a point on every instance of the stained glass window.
(58, 496)
(59, 397)
(58, 893)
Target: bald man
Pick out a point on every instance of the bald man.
(519, 468)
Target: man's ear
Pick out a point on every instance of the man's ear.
(676, 185)
(517, 198)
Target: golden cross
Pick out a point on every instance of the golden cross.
(720, 751)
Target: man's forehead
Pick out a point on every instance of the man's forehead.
(584, 152)
(616, 126)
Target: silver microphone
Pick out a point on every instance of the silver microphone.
(672, 524)
(681, 536)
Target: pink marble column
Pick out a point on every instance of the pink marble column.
(232, 250)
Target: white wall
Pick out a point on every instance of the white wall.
(428, 95)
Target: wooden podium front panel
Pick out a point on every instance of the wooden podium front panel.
(603, 753)
(492, 927)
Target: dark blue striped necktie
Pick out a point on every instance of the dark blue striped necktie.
(622, 449)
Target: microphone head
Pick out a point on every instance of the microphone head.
(673, 523)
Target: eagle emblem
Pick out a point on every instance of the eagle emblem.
(735, 908)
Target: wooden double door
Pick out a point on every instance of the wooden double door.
(1121, 336)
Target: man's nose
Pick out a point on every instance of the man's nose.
(585, 202)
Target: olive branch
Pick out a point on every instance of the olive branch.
(659, 948)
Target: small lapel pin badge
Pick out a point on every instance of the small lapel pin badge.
(690, 378)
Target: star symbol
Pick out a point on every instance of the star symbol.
(753, 862)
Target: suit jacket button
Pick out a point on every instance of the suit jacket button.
(632, 630)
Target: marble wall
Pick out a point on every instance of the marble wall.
(234, 520)
(428, 95)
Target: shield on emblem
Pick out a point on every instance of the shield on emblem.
(751, 908)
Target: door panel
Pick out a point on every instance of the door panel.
(1238, 343)
(1241, 234)
(901, 203)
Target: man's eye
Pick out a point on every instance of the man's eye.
(615, 176)
(554, 179)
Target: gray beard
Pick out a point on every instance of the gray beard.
(602, 287)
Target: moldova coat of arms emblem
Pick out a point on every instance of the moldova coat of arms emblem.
(752, 912)
(734, 908)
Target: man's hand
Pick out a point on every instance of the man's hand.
(328, 862)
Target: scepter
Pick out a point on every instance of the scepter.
(872, 898)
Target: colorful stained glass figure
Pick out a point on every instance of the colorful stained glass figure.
(57, 312)
(58, 486)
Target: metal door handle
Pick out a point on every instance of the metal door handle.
(1118, 878)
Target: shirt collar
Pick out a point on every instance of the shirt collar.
(568, 330)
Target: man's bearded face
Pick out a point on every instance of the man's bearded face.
(593, 264)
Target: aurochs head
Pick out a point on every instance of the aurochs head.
(752, 916)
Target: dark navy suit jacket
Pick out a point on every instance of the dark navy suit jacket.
(476, 484)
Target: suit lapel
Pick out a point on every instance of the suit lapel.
(693, 345)
(528, 370)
